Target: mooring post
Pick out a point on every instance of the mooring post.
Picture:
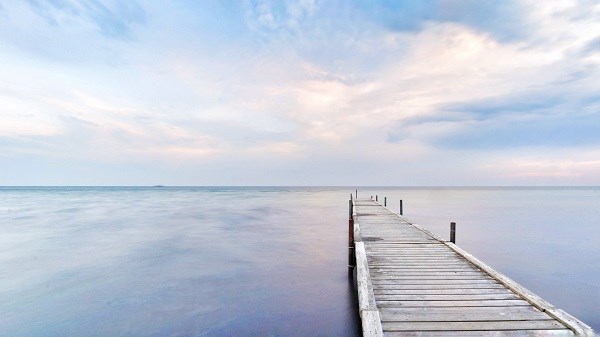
(356, 191)
(351, 256)
(384, 201)
(401, 207)
(453, 232)
(376, 197)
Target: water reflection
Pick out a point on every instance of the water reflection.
(258, 261)
(174, 262)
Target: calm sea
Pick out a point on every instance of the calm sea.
(266, 261)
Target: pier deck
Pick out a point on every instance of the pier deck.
(412, 283)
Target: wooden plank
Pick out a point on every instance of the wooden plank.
(418, 260)
(463, 317)
(371, 324)
(409, 257)
(366, 299)
(461, 310)
(448, 297)
(371, 321)
(436, 286)
(440, 291)
(434, 246)
(400, 272)
(455, 303)
(425, 244)
(489, 333)
(465, 326)
(424, 265)
(383, 276)
(433, 282)
(430, 269)
(406, 255)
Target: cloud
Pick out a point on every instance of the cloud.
(112, 19)
(326, 89)
(564, 166)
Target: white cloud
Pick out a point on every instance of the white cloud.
(296, 86)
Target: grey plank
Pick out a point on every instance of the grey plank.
(396, 286)
(461, 310)
(465, 326)
(387, 276)
(450, 303)
(463, 317)
(424, 272)
(430, 269)
(424, 265)
(434, 282)
(440, 291)
(489, 333)
(448, 297)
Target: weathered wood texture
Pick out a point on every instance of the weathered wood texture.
(417, 284)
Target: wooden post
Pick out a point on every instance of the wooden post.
(356, 194)
(351, 255)
(453, 232)
(384, 201)
(401, 207)
(371, 197)
(376, 197)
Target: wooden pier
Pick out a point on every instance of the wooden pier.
(413, 283)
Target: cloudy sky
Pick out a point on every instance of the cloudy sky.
(307, 92)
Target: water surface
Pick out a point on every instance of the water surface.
(267, 261)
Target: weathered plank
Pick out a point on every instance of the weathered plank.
(395, 286)
(465, 326)
(504, 310)
(441, 291)
(447, 297)
(369, 314)
(375, 274)
(449, 303)
(371, 323)
(463, 317)
(403, 273)
(489, 333)
(434, 281)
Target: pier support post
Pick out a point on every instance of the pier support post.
(401, 207)
(351, 255)
(453, 232)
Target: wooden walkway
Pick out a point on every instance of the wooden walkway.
(412, 283)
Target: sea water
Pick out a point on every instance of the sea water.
(266, 261)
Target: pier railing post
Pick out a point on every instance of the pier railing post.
(351, 255)
(453, 232)
(401, 207)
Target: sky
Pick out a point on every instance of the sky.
(307, 92)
